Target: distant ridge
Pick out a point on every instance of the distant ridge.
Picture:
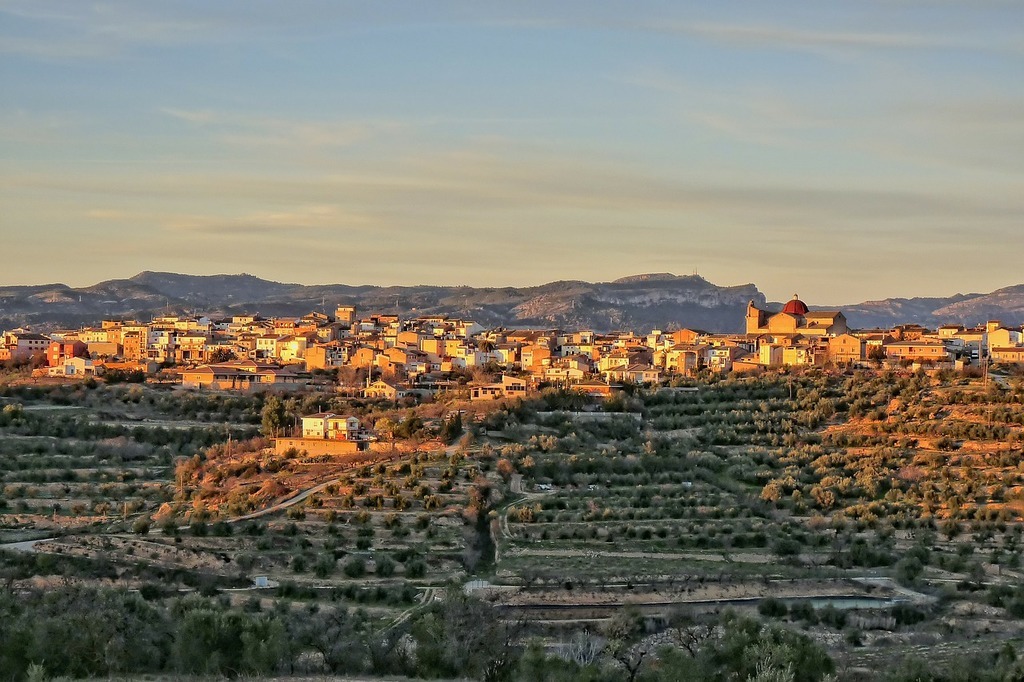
(640, 302)
(1006, 305)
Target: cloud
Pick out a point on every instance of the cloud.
(109, 214)
(754, 35)
(287, 224)
(262, 131)
(53, 50)
(74, 30)
(196, 116)
(496, 184)
(69, 29)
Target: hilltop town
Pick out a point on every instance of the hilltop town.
(386, 356)
(601, 502)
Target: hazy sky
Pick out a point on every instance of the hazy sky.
(846, 151)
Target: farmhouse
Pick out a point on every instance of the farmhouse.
(327, 433)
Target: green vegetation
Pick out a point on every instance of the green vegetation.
(786, 526)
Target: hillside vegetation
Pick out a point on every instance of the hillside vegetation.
(794, 525)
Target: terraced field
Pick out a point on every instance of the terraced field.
(884, 488)
(873, 516)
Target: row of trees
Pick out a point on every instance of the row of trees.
(82, 632)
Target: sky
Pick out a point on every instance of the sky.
(848, 151)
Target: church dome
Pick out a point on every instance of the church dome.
(795, 307)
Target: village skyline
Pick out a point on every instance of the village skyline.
(419, 356)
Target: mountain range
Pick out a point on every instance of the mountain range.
(641, 302)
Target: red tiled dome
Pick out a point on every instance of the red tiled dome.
(795, 307)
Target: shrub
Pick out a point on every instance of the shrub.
(803, 611)
(355, 567)
(385, 566)
(325, 565)
(771, 607)
(416, 568)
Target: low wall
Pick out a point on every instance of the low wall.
(319, 446)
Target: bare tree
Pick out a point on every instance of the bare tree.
(583, 649)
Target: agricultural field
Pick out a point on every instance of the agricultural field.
(889, 499)
(75, 457)
(839, 523)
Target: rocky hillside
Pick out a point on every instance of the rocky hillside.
(1005, 304)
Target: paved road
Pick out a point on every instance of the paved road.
(26, 546)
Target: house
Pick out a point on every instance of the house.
(720, 358)
(874, 344)
(596, 389)
(161, 345)
(804, 354)
(633, 373)
(910, 332)
(73, 368)
(103, 349)
(345, 314)
(749, 362)
(192, 348)
(331, 426)
(920, 350)
(134, 340)
(23, 345)
(973, 339)
(330, 434)
(1004, 338)
(513, 386)
(845, 348)
(1013, 355)
(686, 359)
(563, 374)
(486, 392)
(266, 346)
(386, 390)
(362, 357)
(769, 354)
(58, 352)
(326, 355)
(534, 357)
(289, 349)
(688, 336)
(948, 331)
(509, 387)
(244, 376)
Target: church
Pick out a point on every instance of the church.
(795, 318)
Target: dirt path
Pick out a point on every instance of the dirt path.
(307, 492)
(428, 596)
(890, 584)
(740, 557)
